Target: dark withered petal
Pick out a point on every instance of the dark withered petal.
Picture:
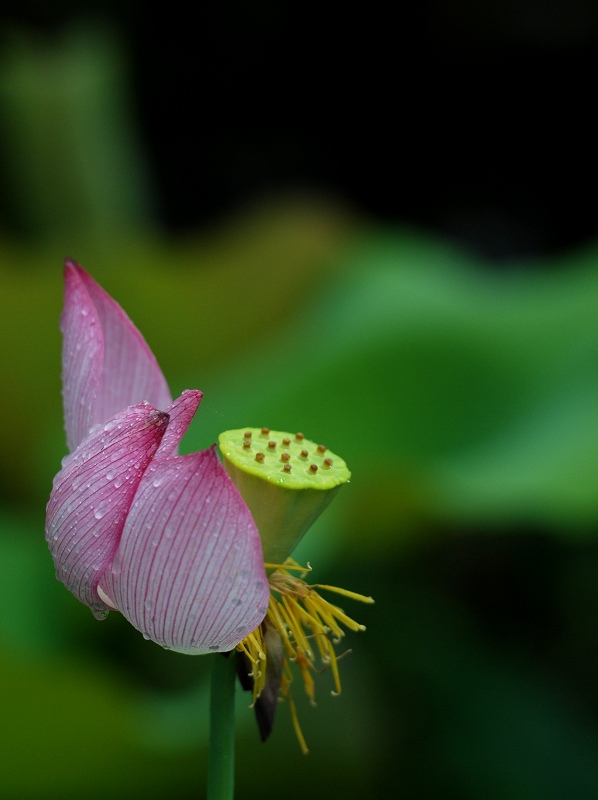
(265, 705)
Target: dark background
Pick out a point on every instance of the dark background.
(474, 120)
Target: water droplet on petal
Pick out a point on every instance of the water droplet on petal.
(100, 611)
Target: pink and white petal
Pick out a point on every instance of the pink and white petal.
(181, 412)
(92, 495)
(130, 371)
(82, 357)
(189, 572)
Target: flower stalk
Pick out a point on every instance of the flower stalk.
(221, 764)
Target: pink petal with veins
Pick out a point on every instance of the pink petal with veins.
(189, 572)
(107, 364)
(82, 357)
(181, 412)
(92, 494)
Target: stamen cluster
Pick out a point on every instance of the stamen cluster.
(308, 625)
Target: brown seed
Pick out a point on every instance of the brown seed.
(299, 437)
(259, 457)
(285, 457)
(313, 468)
(265, 431)
(321, 449)
(246, 445)
(327, 463)
(304, 454)
(247, 435)
(271, 445)
(286, 442)
(286, 468)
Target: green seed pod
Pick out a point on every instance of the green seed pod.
(286, 481)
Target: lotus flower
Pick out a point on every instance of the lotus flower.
(165, 539)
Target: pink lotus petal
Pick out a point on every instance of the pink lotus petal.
(181, 412)
(107, 362)
(188, 572)
(92, 495)
(82, 357)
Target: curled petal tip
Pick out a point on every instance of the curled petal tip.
(181, 412)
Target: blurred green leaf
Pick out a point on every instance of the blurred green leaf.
(472, 394)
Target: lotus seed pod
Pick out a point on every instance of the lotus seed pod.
(286, 481)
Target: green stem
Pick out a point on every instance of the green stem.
(221, 766)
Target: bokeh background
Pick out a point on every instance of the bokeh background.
(380, 230)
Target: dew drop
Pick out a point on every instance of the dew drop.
(148, 605)
(100, 611)
(213, 648)
(99, 513)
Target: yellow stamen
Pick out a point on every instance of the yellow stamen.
(300, 615)
(297, 727)
(292, 565)
(353, 595)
